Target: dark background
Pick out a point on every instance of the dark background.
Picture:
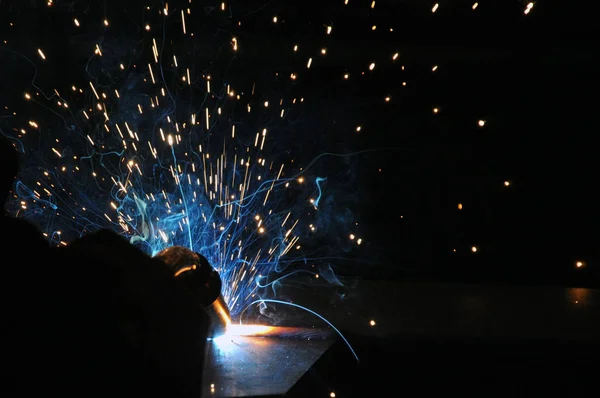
(530, 77)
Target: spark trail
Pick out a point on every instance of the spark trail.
(162, 145)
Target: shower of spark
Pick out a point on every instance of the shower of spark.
(149, 142)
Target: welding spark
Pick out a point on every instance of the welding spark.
(168, 150)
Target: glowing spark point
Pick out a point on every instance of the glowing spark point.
(435, 7)
(579, 264)
(528, 8)
(372, 322)
(372, 66)
(435, 110)
(481, 123)
(474, 6)
(474, 249)
(41, 53)
(506, 183)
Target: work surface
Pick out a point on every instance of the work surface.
(472, 339)
(459, 310)
(258, 366)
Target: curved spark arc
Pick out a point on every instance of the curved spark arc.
(262, 301)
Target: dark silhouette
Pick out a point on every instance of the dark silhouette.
(97, 318)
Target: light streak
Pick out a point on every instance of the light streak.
(263, 301)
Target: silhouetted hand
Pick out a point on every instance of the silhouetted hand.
(97, 318)
(135, 302)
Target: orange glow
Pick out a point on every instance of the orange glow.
(219, 307)
(185, 269)
(249, 330)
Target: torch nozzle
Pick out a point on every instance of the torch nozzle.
(202, 281)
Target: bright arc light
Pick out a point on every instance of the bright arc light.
(248, 330)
